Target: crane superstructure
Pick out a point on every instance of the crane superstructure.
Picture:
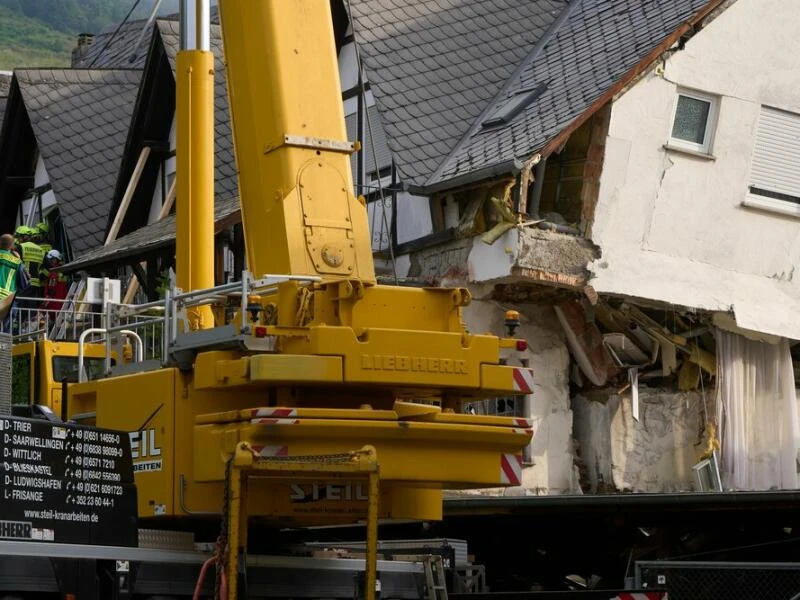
(290, 395)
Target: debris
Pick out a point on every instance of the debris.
(688, 376)
(503, 210)
(624, 352)
(585, 342)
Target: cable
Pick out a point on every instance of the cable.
(113, 35)
(363, 92)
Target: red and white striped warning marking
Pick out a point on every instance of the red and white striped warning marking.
(271, 450)
(640, 596)
(274, 416)
(268, 421)
(274, 412)
(511, 469)
(523, 423)
(520, 431)
(523, 380)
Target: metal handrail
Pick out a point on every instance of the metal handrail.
(128, 319)
(82, 339)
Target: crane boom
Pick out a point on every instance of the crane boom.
(299, 213)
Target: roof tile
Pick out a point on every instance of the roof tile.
(80, 120)
(599, 42)
(440, 57)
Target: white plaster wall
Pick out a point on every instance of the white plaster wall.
(671, 226)
(552, 471)
(654, 454)
(493, 261)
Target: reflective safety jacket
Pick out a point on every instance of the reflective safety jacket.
(33, 257)
(9, 269)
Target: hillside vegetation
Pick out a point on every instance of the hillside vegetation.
(42, 33)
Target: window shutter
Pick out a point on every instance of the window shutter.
(776, 156)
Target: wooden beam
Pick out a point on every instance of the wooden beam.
(128, 195)
(133, 286)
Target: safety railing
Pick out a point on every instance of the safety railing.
(175, 304)
(34, 320)
(107, 333)
(154, 326)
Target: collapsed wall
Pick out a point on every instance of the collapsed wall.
(655, 453)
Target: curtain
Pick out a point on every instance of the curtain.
(756, 414)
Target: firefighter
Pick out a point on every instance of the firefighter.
(57, 286)
(43, 240)
(57, 282)
(20, 235)
(13, 277)
(32, 257)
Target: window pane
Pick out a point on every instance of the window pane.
(66, 367)
(691, 118)
(21, 379)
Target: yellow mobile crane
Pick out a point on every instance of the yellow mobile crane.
(307, 392)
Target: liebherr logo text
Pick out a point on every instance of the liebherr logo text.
(15, 530)
(390, 362)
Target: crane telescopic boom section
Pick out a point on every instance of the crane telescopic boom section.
(194, 73)
(299, 212)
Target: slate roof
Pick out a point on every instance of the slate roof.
(437, 68)
(116, 56)
(80, 119)
(112, 49)
(435, 65)
(152, 237)
(600, 41)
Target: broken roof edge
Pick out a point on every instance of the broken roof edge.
(706, 12)
(535, 51)
(511, 166)
(631, 75)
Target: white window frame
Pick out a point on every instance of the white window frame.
(763, 201)
(711, 122)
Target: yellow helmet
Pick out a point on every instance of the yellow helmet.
(42, 227)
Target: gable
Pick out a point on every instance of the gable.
(80, 119)
(440, 69)
(598, 42)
